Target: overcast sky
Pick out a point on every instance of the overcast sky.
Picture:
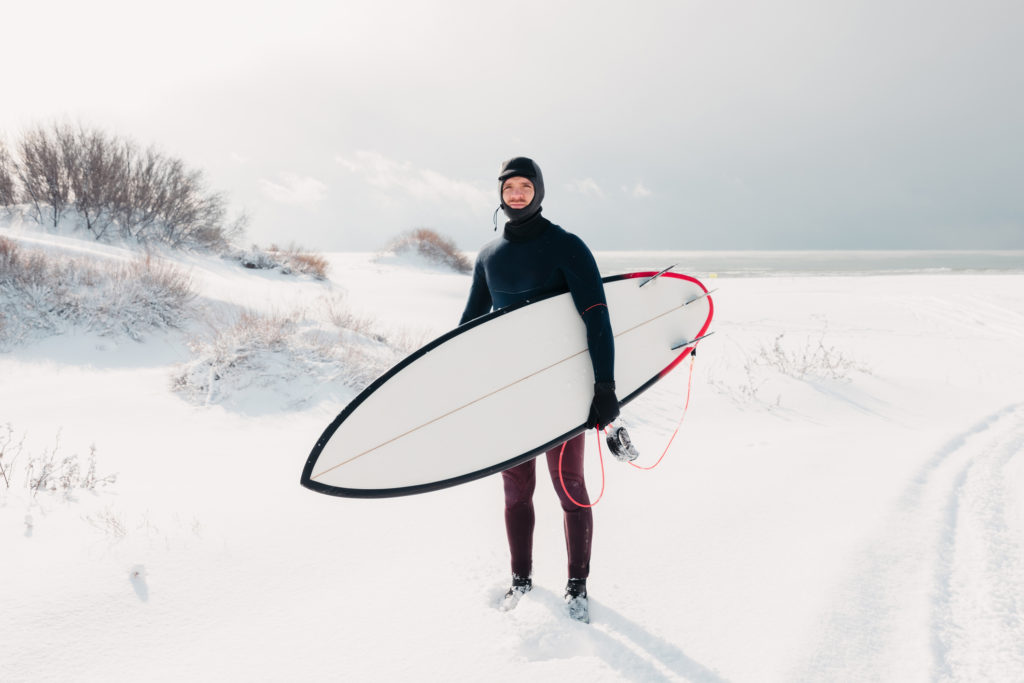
(688, 124)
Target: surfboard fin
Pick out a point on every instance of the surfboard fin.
(699, 297)
(658, 274)
(691, 342)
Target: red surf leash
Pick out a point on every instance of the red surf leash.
(600, 457)
(686, 406)
(600, 453)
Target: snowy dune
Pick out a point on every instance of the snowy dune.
(845, 501)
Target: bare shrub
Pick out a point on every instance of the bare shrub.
(262, 331)
(10, 449)
(343, 317)
(432, 247)
(8, 251)
(50, 471)
(257, 259)
(310, 264)
(158, 199)
(20, 268)
(110, 184)
(813, 359)
(292, 259)
(773, 368)
(108, 521)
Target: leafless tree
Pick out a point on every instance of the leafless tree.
(96, 168)
(114, 187)
(42, 175)
(8, 188)
(142, 196)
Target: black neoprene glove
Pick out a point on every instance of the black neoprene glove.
(605, 406)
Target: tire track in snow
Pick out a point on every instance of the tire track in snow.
(968, 311)
(937, 595)
(978, 622)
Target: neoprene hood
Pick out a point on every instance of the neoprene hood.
(526, 168)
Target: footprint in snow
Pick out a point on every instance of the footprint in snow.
(137, 575)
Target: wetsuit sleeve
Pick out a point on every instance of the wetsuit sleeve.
(587, 292)
(479, 302)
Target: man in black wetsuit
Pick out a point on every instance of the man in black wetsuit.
(533, 258)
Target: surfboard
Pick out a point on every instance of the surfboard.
(501, 389)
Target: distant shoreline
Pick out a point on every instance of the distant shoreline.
(816, 262)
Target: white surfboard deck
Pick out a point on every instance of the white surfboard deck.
(501, 389)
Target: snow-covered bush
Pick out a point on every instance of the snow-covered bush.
(771, 371)
(283, 360)
(286, 261)
(344, 318)
(308, 263)
(811, 359)
(431, 247)
(43, 294)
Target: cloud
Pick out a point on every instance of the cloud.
(294, 189)
(420, 183)
(587, 187)
(638, 191)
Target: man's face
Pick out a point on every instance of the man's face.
(517, 192)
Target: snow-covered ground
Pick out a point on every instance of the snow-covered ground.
(845, 501)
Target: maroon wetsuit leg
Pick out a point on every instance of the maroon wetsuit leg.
(520, 482)
(579, 521)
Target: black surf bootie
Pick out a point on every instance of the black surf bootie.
(576, 599)
(521, 585)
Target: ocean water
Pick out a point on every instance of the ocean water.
(797, 263)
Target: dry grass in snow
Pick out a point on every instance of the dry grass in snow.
(42, 294)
